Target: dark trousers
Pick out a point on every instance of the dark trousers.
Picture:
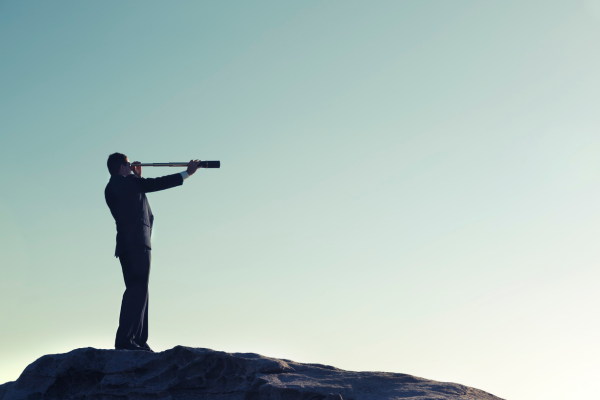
(133, 321)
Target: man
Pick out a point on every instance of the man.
(125, 195)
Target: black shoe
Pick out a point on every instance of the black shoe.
(146, 347)
(131, 345)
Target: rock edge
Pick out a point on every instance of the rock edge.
(185, 373)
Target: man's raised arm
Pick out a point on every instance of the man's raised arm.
(164, 182)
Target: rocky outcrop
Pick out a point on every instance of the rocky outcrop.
(185, 373)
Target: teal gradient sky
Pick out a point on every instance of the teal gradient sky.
(406, 186)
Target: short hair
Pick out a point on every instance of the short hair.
(115, 160)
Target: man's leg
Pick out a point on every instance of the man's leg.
(141, 337)
(136, 271)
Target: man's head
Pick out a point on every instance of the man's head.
(118, 164)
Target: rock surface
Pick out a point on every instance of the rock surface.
(185, 373)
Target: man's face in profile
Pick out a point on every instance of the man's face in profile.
(126, 168)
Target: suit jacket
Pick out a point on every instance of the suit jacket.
(126, 198)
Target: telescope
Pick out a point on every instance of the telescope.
(202, 164)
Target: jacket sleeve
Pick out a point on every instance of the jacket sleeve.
(148, 185)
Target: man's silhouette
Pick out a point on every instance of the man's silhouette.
(125, 195)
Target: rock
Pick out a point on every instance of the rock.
(185, 373)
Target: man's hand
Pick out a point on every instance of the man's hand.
(192, 167)
(136, 169)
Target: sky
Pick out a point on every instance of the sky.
(405, 186)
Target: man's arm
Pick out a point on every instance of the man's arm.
(148, 185)
(164, 182)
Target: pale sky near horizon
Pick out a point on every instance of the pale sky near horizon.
(406, 186)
